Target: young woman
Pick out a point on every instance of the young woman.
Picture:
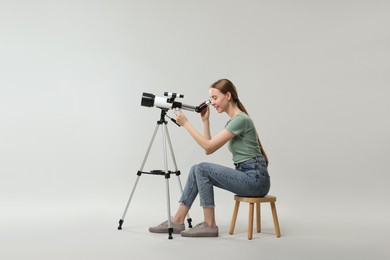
(249, 177)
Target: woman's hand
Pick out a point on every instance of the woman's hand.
(180, 117)
(205, 114)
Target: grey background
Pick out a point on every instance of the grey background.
(314, 76)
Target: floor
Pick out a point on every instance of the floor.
(91, 233)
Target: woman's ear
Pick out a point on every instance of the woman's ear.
(228, 96)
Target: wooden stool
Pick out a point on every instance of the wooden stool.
(251, 200)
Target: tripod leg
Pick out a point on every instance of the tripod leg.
(139, 174)
(167, 176)
(149, 147)
(170, 229)
(189, 220)
(127, 205)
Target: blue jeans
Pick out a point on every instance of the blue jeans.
(249, 178)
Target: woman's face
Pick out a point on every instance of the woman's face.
(219, 100)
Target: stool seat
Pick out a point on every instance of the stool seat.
(255, 200)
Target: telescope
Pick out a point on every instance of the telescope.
(168, 102)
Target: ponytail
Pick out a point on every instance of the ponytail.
(242, 108)
(262, 151)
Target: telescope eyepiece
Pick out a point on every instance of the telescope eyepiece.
(202, 106)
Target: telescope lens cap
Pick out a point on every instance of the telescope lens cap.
(147, 100)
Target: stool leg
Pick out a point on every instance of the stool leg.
(234, 218)
(275, 217)
(258, 218)
(250, 223)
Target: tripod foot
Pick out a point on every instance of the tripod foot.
(189, 220)
(120, 224)
(170, 231)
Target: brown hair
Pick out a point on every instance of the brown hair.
(225, 86)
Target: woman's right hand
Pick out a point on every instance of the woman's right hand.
(180, 117)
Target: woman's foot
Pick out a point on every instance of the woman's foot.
(200, 230)
(163, 228)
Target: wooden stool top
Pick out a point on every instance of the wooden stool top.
(267, 198)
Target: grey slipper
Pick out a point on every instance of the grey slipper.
(163, 228)
(200, 230)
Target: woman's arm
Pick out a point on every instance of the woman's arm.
(206, 130)
(209, 144)
(205, 114)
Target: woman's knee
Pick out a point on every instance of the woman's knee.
(193, 170)
(203, 169)
(204, 166)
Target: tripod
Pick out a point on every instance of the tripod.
(167, 173)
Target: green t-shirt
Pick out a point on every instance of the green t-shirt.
(244, 145)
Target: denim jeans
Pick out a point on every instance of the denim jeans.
(249, 178)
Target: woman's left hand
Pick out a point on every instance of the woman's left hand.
(205, 114)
